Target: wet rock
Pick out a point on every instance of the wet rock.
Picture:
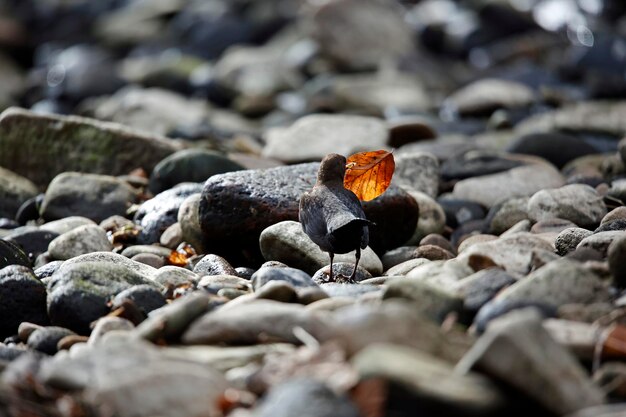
(145, 297)
(14, 190)
(24, 299)
(505, 215)
(578, 203)
(45, 339)
(432, 218)
(514, 252)
(359, 35)
(295, 277)
(286, 242)
(78, 293)
(253, 322)
(341, 268)
(542, 369)
(516, 182)
(417, 172)
(312, 137)
(617, 261)
(213, 265)
(568, 239)
(32, 242)
(557, 148)
(474, 238)
(189, 165)
(600, 241)
(430, 300)
(411, 373)
(106, 148)
(160, 212)
(484, 96)
(305, 397)
(95, 197)
(79, 241)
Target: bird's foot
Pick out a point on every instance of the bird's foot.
(342, 279)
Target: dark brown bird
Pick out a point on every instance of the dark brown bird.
(331, 215)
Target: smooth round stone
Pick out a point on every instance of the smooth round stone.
(568, 239)
(106, 325)
(433, 253)
(460, 211)
(613, 225)
(600, 241)
(577, 203)
(476, 163)
(145, 297)
(115, 222)
(618, 189)
(32, 242)
(174, 276)
(408, 130)
(45, 339)
(134, 250)
(214, 265)
(68, 341)
(397, 256)
(428, 299)
(66, 224)
(488, 94)
(189, 220)
(310, 295)
(172, 236)
(479, 288)
(474, 240)
(334, 289)
(93, 196)
(11, 254)
(494, 309)
(10, 353)
(405, 267)
(551, 226)
(109, 257)
(29, 210)
(432, 218)
(417, 172)
(519, 227)
(617, 261)
(278, 291)
(161, 211)
(341, 268)
(215, 283)
(189, 165)
(25, 329)
(437, 240)
(244, 272)
(295, 277)
(618, 213)
(80, 241)
(14, 190)
(24, 299)
(557, 148)
(149, 259)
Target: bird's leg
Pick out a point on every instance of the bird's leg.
(356, 264)
(330, 275)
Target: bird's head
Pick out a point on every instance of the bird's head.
(332, 168)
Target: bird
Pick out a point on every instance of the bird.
(332, 216)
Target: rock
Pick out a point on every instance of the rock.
(149, 259)
(475, 163)
(216, 283)
(259, 321)
(506, 214)
(108, 324)
(479, 288)
(361, 35)
(618, 213)
(14, 190)
(513, 253)
(106, 148)
(313, 137)
(82, 240)
(614, 225)
(469, 240)
(213, 265)
(32, 242)
(273, 195)
(432, 218)
(160, 212)
(23, 298)
(444, 274)
(189, 220)
(278, 291)
(437, 240)
(600, 241)
(458, 212)
(295, 277)
(172, 236)
(568, 239)
(542, 370)
(342, 268)
(66, 224)
(405, 268)
(617, 261)
(189, 165)
(609, 410)
(306, 398)
(578, 203)
(95, 197)
(551, 226)
(486, 95)
(78, 292)
(45, 339)
(173, 276)
(429, 299)
(337, 289)
(48, 269)
(559, 282)
(411, 373)
(156, 250)
(417, 172)
(557, 148)
(516, 182)
(145, 297)
(286, 242)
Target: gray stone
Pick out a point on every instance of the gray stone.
(488, 94)
(214, 265)
(617, 261)
(108, 324)
(444, 274)
(505, 215)
(525, 180)
(432, 218)
(134, 250)
(23, 299)
(313, 137)
(406, 267)
(54, 141)
(517, 349)
(430, 300)
(341, 271)
(145, 298)
(578, 203)
(277, 290)
(417, 172)
(45, 339)
(173, 276)
(109, 257)
(479, 288)
(14, 190)
(189, 220)
(172, 236)
(215, 283)
(295, 277)
(95, 197)
(11, 254)
(79, 241)
(149, 259)
(286, 242)
(253, 322)
(569, 238)
(33, 241)
(66, 224)
(600, 241)
(336, 289)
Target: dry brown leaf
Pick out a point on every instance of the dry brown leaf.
(368, 174)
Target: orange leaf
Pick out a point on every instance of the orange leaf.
(368, 174)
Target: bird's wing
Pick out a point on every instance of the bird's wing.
(311, 217)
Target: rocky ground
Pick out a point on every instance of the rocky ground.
(152, 155)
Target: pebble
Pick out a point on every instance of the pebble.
(14, 191)
(277, 290)
(213, 265)
(568, 239)
(295, 277)
(215, 283)
(145, 297)
(172, 236)
(341, 268)
(32, 242)
(149, 259)
(486, 95)
(600, 241)
(95, 197)
(79, 241)
(557, 148)
(404, 268)
(617, 261)
(66, 224)
(157, 250)
(108, 324)
(432, 218)
(578, 203)
(429, 299)
(478, 289)
(45, 339)
(417, 172)
(173, 276)
(189, 221)
(24, 299)
(505, 215)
